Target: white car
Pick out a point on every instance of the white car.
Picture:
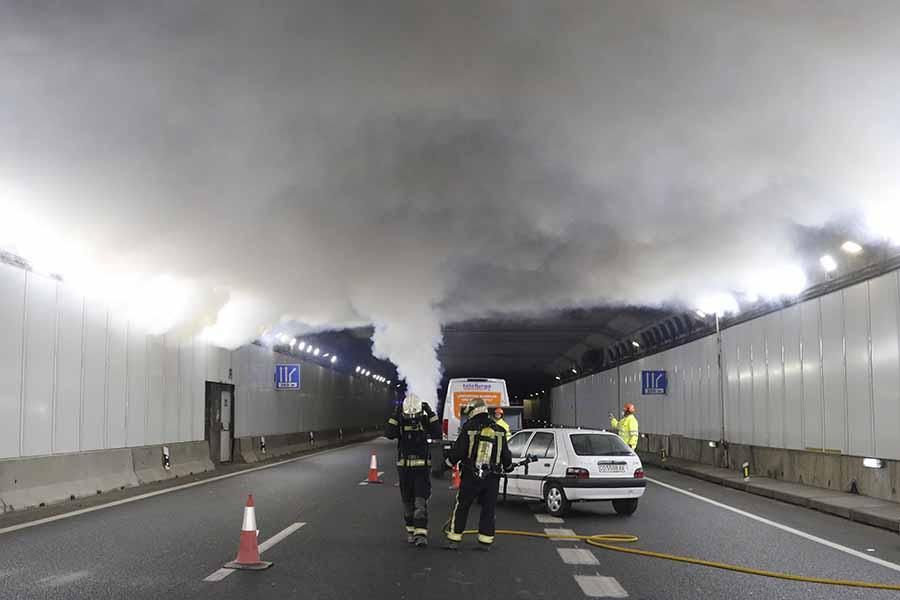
(575, 465)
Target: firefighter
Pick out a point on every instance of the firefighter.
(483, 452)
(627, 426)
(498, 417)
(413, 425)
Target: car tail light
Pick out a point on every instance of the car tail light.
(639, 474)
(445, 428)
(577, 473)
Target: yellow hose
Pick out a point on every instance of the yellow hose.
(608, 541)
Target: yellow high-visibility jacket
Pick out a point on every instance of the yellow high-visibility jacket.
(504, 425)
(628, 429)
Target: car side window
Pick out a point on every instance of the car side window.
(542, 445)
(517, 444)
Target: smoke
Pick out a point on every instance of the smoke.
(220, 167)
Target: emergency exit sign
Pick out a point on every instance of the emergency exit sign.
(287, 377)
(654, 383)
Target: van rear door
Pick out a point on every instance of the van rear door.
(462, 391)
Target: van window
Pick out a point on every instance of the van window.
(517, 443)
(542, 445)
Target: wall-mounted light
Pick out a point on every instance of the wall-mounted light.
(635, 344)
(574, 370)
(828, 263)
(302, 346)
(700, 313)
(851, 247)
(558, 378)
(293, 342)
(333, 359)
(873, 463)
(713, 444)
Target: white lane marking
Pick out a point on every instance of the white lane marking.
(91, 509)
(548, 519)
(58, 580)
(219, 575)
(278, 537)
(577, 556)
(556, 534)
(776, 525)
(597, 586)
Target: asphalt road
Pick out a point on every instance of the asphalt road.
(353, 544)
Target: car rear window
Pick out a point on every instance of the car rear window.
(598, 444)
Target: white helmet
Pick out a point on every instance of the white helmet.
(412, 404)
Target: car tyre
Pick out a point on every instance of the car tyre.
(555, 500)
(626, 506)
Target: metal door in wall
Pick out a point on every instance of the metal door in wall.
(220, 421)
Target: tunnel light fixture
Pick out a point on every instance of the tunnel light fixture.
(873, 463)
(635, 344)
(851, 247)
(293, 342)
(558, 378)
(357, 369)
(316, 352)
(326, 355)
(389, 382)
(713, 444)
(333, 359)
(302, 346)
(700, 313)
(574, 370)
(828, 263)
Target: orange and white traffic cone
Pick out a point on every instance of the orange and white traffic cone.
(454, 483)
(373, 470)
(248, 551)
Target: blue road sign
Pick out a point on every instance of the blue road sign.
(287, 377)
(654, 382)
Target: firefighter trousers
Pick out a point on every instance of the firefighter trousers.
(485, 491)
(415, 489)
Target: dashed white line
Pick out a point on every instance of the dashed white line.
(797, 532)
(577, 556)
(559, 534)
(597, 586)
(547, 519)
(278, 537)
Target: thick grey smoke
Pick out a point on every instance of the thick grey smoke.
(409, 164)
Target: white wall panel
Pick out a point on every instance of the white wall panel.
(834, 405)
(40, 351)
(714, 391)
(185, 389)
(12, 309)
(759, 389)
(116, 382)
(171, 364)
(745, 384)
(202, 354)
(812, 375)
(93, 393)
(884, 299)
(860, 428)
(137, 388)
(732, 383)
(793, 378)
(156, 396)
(67, 419)
(774, 423)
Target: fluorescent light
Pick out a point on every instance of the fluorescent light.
(635, 344)
(293, 342)
(302, 346)
(713, 444)
(873, 463)
(309, 349)
(851, 247)
(316, 352)
(574, 370)
(357, 369)
(700, 313)
(828, 263)
(326, 355)
(389, 382)
(558, 378)
(333, 359)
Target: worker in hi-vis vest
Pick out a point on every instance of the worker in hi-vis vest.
(627, 426)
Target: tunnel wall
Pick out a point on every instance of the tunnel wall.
(822, 375)
(327, 400)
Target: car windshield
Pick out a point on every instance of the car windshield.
(599, 444)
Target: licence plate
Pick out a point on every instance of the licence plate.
(611, 468)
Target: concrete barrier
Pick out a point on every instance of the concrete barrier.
(148, 465)
(49, 479)
(190, 458)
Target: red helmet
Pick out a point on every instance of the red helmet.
(498, 412)
(629, 408)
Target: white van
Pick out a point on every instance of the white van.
(460, 392)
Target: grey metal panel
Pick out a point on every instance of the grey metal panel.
(93, 392)
(40, 350)
(760, 387)
(137, 388)
(171, 364)
(117, 382)
(884, 300)
(714, 399)
(793, 378)
(155, 406)
(12, 310)
(186, 390)
(775, 369)
(745, 384)
(812, 374)
(834, 407)
(859, 370)
(202, 352)
(732, 383)
(67, 420)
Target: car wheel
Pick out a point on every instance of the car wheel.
(555, 500)
(626, 506)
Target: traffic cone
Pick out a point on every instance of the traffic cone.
(454, 483)
(373, 470)
(248, 551)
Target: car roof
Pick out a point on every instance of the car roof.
(567, 430)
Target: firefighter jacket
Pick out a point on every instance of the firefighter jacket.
(412, 433)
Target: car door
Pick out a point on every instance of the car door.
(517, 445)
(543, 446)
